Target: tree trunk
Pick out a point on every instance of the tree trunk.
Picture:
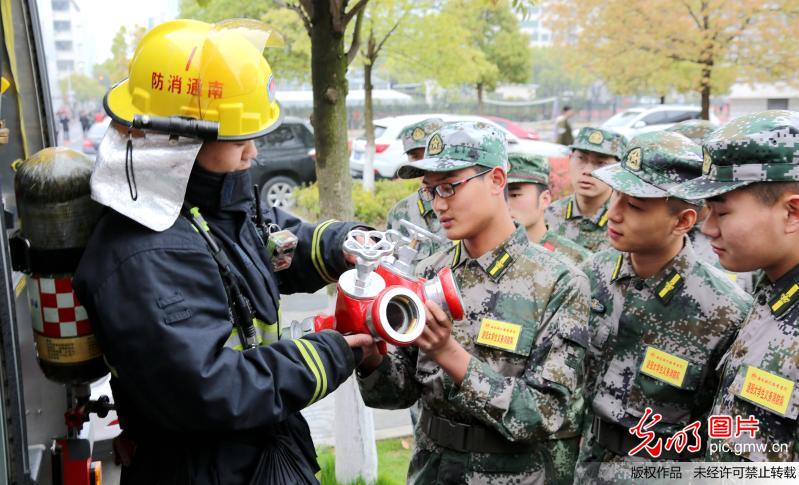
(356, 450)
(328, 72)
(480, 109)
(368, 119)
(707, 65)
(663, 99)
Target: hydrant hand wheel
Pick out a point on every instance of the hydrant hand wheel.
(421, 234)
(369, 247)
(372, 246)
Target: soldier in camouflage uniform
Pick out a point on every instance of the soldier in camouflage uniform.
(501, 381)
(413, 208)
(582, 216)
(751, 184)
(696, 130)
(529, 197)
(661, 318)
(704, 251)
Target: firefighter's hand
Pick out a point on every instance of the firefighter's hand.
(438, 343)
(367, 348)
(351, 259)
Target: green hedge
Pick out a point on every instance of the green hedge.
(370, 208)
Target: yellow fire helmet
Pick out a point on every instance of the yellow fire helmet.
(186, 70)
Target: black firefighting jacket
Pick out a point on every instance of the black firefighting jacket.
(198, 410)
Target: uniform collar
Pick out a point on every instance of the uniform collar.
(497, 261)
(211, 191)
(573, 212)
(424, 207)
(546, 241)
(784, 293)
(668, 281)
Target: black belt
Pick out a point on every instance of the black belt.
(468, 438)
(618, 440)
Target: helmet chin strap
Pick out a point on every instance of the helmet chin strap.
(129, 173)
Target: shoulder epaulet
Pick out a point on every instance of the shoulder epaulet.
(666, 289)
(604, 219)
(616, 268)
(456, 254)
(500, 264)
(783, 302)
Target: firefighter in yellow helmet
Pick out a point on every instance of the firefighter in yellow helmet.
(183, 274)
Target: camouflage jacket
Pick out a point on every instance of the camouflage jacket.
(564, 219)
(760, 375)
(689, 310)
(704, 251)
(523, 388)
(572, 251)
(418, 212)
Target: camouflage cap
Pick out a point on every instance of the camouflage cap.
(416, 135)
(460, 145)
(696, 130)
(528, 168)
(600, 141)
(654, 163)
(761, 147)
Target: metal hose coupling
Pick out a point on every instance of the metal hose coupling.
(443, 289)
(397, 316)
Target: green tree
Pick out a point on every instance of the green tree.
(115, 68)
(691, 45)
(494, 28)
(424, 49)
(293, 61)
(326, 22)
(83, 87)
(329, 25)
(552, 76)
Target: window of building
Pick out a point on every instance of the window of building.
(63, 45)
(60, 5)
(65, 65)
(777, 103)
(62, 25)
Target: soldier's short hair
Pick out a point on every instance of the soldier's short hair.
(678, 205)
(769, 193)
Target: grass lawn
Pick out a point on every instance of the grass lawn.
(393, 457)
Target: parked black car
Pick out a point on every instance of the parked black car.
(286, 158)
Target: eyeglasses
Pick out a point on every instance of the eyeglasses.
(445, 190)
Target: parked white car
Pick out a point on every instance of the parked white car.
(635, 121)
(389, 155)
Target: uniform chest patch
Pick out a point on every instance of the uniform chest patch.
(597, 306)
(499, 334)
(767, 390)
(664, 366)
